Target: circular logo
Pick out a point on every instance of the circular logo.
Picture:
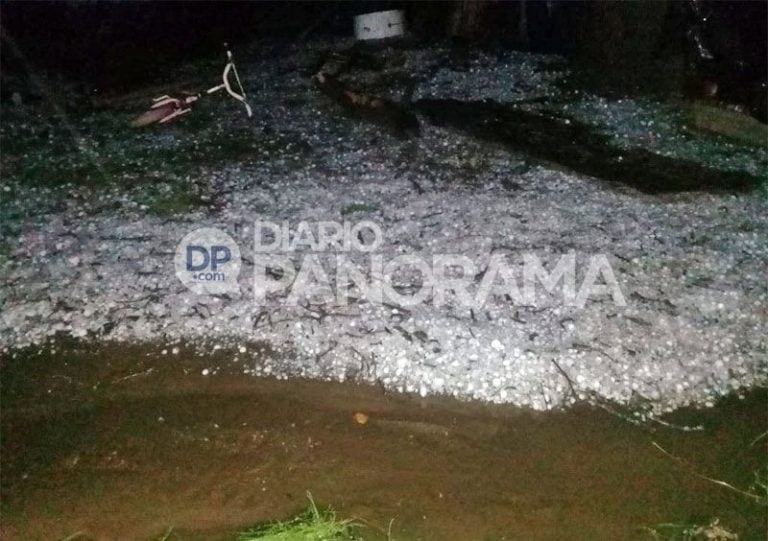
(207, 261)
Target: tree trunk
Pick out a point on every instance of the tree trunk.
(467, 20)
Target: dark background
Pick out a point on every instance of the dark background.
(646, 46)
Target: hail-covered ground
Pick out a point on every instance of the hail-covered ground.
(685, 320)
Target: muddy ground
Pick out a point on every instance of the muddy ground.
(125, 442)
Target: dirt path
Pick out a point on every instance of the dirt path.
(124, 443)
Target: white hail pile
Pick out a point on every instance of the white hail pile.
(692, 267)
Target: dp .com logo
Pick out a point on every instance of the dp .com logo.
(207, 261)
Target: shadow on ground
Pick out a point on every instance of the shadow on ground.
(580, 147)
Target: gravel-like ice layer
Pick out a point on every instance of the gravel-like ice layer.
(692, 267)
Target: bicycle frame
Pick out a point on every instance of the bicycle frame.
(166, 108)
(230, 67)
(179, 106)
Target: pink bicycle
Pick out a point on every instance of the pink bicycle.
(166, 108)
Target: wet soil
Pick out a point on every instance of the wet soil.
(124, 442)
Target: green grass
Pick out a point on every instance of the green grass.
(713, 531)
(759, 487)
(358, 207)
(5, 252)
(167, 535)
(99, 149)
(170, 199)
(757, 493)
(311, 525)
(51, 156)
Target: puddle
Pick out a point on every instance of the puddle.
(580, 147)
(123, 443)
